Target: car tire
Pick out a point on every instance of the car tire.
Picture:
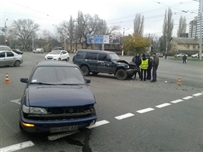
(85, 70)
(17, 63)
(67, 59)
(121, 74)
(59, 59)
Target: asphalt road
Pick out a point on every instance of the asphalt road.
(132, 115)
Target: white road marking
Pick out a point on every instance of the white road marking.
(176, 101)
(17, 146)
(188, 97)
(17, 101)
(98, 123)
(163, 105)
(145, 110)
(127, 115)
(197, 94)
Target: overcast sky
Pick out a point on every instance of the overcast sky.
(115, 12)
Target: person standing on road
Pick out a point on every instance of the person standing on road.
(184, 58)
(137, 60)
(149, 70)
(155, 64)
(144, 66)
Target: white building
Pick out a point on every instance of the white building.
(198, 19)
(193, 28)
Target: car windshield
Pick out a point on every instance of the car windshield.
(55, 52)
(58, 75)
(114, 56)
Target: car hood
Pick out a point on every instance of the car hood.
(125, 62)
(52, 55)
(59, 96)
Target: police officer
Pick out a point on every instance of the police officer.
(144, 66)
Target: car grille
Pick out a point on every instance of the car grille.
(49, 57)
(64, 113)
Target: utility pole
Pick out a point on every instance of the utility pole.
(6, 41)
(123, 40)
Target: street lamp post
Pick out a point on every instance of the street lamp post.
(123, 40)
(5, 31)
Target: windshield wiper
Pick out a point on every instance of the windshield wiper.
(41, 83)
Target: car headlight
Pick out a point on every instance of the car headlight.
(34, 110)
(126, 66)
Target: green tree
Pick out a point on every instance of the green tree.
(135, 44)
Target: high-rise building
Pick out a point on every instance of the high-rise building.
(198, 18)
(193, 28)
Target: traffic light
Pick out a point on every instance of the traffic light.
(6, 42)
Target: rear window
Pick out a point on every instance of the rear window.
(81, 55)
(91, 56)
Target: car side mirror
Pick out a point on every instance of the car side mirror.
(24, 80)
(87, 80)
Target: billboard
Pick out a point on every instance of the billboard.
(103, 39)
(94, 39)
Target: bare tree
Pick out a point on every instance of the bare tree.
(23, 30)
(139, 24)
(182, 26)
(167, 29)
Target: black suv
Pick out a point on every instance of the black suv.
(98, 61)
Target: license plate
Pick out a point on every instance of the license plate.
(62, 129)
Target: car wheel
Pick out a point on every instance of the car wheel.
(85, 70)
(67, 59)
(59, 59)
(121, 74)
(17, 63)
(95, 73)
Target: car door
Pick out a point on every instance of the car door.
(104, 63)
(2, 59)
(10, 59)
(91, 60)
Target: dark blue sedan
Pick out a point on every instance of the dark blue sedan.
(56, 99)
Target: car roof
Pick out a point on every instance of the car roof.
(5, 51)
(96, 51)
(55, 63)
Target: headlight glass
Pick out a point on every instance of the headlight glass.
(34, 110)
(126, 66)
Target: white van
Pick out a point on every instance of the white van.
(38, 50)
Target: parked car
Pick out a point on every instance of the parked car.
(56, 99)
(180, 55)
(58, 55)
(17, 51)
(10, 58)
(160, 54)
(196, 55)
(38, 50)
(97, 61)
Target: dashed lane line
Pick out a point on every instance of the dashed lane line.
(124, 116)
(163, 105)
(177, 101)
(17, 146)
(188, 97)
(197, 94)
(145, 110)
(98, 123)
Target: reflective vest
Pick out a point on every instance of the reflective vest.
(144, 65)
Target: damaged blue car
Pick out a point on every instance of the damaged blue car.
(56, 99)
